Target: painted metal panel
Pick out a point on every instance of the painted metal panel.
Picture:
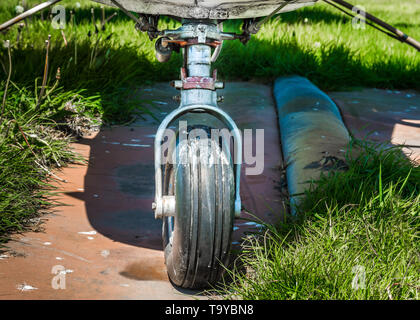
(209, 9)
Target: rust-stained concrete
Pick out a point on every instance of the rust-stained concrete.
(105, 236)
(383, 115)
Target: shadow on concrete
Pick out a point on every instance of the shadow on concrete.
(119, 188)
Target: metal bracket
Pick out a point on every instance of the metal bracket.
(148, 23)
(193, 30)
(187, 83)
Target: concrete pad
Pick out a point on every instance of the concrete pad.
(105, 236)
(384, 116)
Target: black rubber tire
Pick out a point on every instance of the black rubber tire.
(204, 216)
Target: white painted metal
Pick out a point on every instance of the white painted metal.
(198, 62)
(209, 9)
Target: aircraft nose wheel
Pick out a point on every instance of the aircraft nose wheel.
(197, 238)
(197, 196)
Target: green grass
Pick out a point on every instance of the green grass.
(317, 42)
(32, 144)
(365, 218)
(105, 63)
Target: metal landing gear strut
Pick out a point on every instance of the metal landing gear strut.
(197, 192)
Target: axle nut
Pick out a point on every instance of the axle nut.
(164, 207)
